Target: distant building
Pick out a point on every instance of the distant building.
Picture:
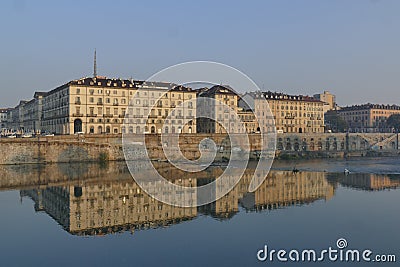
(291, 113)
(32, 114)
(368, 117)
(3, 117)
(327, 98)
(15, 117)
(249, 120)
(370, 181)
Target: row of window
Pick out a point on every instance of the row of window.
(138, 129)
(137, 93)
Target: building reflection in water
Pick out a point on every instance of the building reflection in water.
(366, 181)
(115, 203)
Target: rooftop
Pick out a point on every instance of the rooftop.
(100, 81)
(370, 106)
(182, 88)
(218, 89)
(281, 96)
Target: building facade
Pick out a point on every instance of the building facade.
(88, 105)
(3, 118)
(368, 117)
(249, 120)
(98, 105)
(162, 108)
(217, 110)
(290, 113)
(15, 118)
(32, 114)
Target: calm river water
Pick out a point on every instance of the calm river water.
(96, 215)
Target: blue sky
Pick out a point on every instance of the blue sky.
(350, 48)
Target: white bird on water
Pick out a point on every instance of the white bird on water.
(346, 171)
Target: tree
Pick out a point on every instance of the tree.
(394, 122)
(334, 122)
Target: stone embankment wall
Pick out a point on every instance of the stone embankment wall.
(91, 148)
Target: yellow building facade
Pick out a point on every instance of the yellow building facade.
(289, 113)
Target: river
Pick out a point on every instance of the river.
(96, 215)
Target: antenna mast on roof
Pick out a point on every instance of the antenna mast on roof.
(94, 65)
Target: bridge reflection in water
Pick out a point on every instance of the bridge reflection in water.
(96, 200)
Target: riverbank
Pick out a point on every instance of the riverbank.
(103, 148)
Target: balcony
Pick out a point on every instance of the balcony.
(91, 115)
(77, 102)
(115, 104)
(77, 115)
(153, 116)
(122, 116)
(100, 103)
(108, 115)
(179, 117)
